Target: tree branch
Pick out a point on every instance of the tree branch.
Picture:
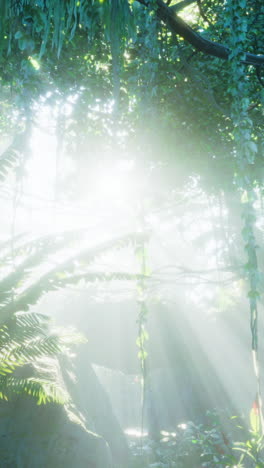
(181, 5)
(178, 26)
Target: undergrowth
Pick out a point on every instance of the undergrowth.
(205, 445)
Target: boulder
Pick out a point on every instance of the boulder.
(82, 433)
(48, 436)
(93, 402)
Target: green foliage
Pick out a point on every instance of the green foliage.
(252, 451)
(245, 152)
(24, 340)
(24, 336)
(205, 445)
(189, 446)
(38, 25)
(8, 161)
(67, 272)
(184, 98)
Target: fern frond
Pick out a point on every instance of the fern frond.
(30, 350)
(8, 160)
(24, 336)
(44, 391)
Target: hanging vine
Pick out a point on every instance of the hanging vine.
(148, 46)
(245, 149)
(142, 338)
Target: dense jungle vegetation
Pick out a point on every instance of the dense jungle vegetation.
(131, 242)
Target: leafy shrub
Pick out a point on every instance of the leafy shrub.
(199, 446)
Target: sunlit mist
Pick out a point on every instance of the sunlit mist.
(132, 228)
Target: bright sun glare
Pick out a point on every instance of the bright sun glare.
(112, 189)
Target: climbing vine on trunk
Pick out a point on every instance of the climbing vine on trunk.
(245, 149)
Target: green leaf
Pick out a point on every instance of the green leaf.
(18, 35)
(255, 420)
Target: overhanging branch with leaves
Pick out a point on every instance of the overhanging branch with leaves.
(178, 26)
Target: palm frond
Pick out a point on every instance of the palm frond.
(65, 274)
